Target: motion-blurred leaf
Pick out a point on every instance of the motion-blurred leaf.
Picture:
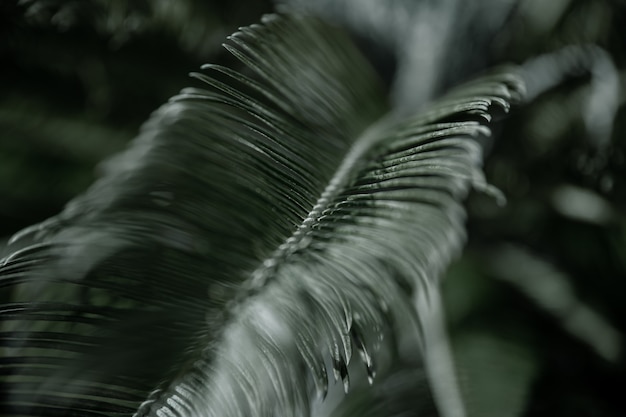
(255, 229)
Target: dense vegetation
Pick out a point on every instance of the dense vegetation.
(535, 300)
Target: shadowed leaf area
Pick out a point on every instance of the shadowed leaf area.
(287, 235)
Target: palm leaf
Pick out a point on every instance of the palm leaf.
(400, 391)
(258, 229)
(422, 37)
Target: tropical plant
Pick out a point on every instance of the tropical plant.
(265, 227)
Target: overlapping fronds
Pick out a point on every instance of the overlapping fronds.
(259, 228)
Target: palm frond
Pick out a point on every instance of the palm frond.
(421, 37)
(402, 390)
(257, 229)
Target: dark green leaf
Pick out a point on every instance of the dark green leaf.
(258, 228)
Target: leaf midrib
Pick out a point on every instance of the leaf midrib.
(356, 155)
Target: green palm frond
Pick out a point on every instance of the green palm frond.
(422, 37)
(402, 390)
(259, 229)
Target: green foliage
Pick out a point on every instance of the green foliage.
(274, 240)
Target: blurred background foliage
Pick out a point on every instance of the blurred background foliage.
(536, 304)
(78, 79)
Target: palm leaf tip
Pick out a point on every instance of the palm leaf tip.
(308, 216)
